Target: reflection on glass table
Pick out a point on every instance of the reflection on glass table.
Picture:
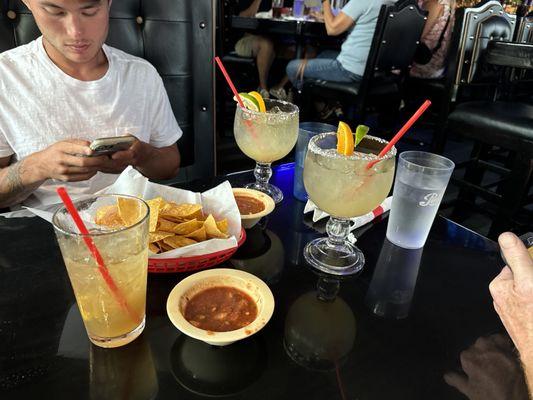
(217, 371)
(126, 372)
(393, 283)
(490, 371)
(262, 254)
(320, 328)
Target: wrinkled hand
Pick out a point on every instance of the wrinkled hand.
(135, 156)
(491, 371)
(512, 292)
(66, 161)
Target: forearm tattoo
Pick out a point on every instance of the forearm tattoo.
(12, 189)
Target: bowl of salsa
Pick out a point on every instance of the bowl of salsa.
(253, 205)
(220, 306)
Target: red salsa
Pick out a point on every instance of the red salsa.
(248, 205)
(220, 309)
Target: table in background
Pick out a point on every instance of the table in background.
(45, 353)
(299, 29)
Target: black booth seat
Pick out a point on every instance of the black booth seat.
(506, 124)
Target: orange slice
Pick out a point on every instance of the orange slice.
(260, 101)
(345, 140)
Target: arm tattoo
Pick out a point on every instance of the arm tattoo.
(13, 180)
(12, 189)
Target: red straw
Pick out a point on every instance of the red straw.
(61, 191)
(228, 79)
(401, 132)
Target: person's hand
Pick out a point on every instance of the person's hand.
(318, 15)
(491, 371)
(66, 161)
(136, 155)
(512, 292)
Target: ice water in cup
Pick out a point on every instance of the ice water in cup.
(420, 184)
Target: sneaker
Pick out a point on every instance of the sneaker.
(279, 93)
(264, 93)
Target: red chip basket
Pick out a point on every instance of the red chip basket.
(194, 263)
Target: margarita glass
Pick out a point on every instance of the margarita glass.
(343, 187)
(266, 137)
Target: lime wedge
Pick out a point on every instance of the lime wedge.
(250, 102)
(260, 101)
(360, 133)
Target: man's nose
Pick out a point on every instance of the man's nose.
(74, 27)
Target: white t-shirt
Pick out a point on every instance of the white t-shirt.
(41, 105)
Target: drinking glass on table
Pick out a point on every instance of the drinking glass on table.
(344, 187)
(277, 6)
(420, 184)
(266, 137)
(305, 133)
(111, 302)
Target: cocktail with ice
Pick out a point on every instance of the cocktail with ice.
(344, 187)
(112, 302)
(266, 136)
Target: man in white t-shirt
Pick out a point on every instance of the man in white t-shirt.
(67, 88)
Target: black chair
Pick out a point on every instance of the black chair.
(396, 37)
(525, 29)
(465, 79)
(176, 36)
(507, 125)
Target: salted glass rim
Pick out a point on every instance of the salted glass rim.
(295, 110)
(104, 233)
(356, 156)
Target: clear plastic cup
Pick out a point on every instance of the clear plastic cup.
(421, 180)
(112, 301)
(306, 131)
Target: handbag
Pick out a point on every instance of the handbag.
(423, 53)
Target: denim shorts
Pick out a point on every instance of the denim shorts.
(324, 67)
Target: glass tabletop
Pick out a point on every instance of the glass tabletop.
(393, 331)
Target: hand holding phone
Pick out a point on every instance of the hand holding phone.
(110, 145)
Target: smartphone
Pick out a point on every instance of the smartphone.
(110, 145)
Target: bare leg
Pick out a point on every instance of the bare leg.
(264, 56)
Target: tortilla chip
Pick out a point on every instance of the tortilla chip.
(178, 241)
(165, 247)
(222, 225)
(166, 225)
(108, 216)
(157, 236)
(199, 235)
(187, 227)
(212, 230)
(153, 248)
(155, 205)
(129, 210)
(184, 210)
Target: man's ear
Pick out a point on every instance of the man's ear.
(109, 5)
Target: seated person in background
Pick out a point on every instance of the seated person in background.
(67, 88)
(359, 16)
(436, 36)
(261, 48)
(512, 292)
